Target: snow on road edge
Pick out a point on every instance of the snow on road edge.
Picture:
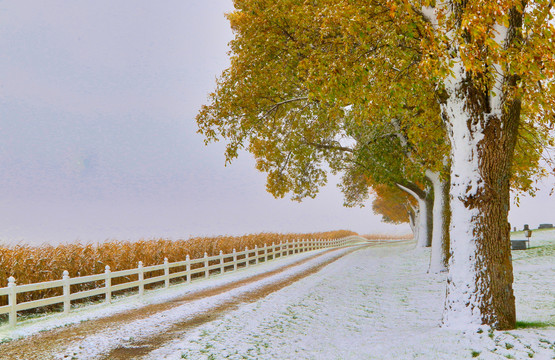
(377, 303)
(93, 346)
(125, 303)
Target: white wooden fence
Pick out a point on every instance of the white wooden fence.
(211, 265)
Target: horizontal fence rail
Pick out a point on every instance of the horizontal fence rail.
(187, 270)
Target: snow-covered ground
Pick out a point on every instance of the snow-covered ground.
(122, 304)
(378, 303)
(374, 303)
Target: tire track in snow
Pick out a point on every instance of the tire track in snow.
(49, 344)
(144, 346)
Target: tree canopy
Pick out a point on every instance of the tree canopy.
(382, 92)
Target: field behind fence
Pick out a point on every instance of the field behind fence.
(37, 264)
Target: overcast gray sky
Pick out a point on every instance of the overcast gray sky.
(98, 138)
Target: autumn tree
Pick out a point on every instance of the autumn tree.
(394, 205)
(379, 157)
(488, 59)
(292, 124)
(297, 67)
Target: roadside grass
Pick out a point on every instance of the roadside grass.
(535, 251)
(533, 324)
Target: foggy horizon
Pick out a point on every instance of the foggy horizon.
(98, 138)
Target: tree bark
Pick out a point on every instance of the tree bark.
(413, 214)
(424, 219)
(429, 199)
(446, 223)
(437, 258)
(479, 284)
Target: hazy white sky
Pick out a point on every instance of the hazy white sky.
(97, 130)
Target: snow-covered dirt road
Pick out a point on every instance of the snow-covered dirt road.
(132, 328)
(373, 302)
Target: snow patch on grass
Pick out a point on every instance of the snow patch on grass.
(377, 303)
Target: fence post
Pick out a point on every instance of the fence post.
(67, 302)
(206, 271)
(256, 254)
(273, 251)
(246, 256)
(12, 300)
(222, 267)
(188, 268)
(234, 260)
(108, 284)
(265, 253)
(141, 279)
(166, 273)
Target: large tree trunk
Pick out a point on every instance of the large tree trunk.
(413, 219)
(446, 223)
(429, 199)
(482, 130)
(437, 258)
(424, 222)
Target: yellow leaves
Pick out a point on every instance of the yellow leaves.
(236, 19)
(392, 9)
(383, 59)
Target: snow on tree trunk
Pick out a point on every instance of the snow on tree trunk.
(423, 223)
(482, 132)
(422, 218)
(437, 258)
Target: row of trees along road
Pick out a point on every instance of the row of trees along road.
(452, 102)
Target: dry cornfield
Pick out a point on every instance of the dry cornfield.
(33, 264)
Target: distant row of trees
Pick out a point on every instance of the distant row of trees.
(439, 108)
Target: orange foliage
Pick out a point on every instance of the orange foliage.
(392, 203)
